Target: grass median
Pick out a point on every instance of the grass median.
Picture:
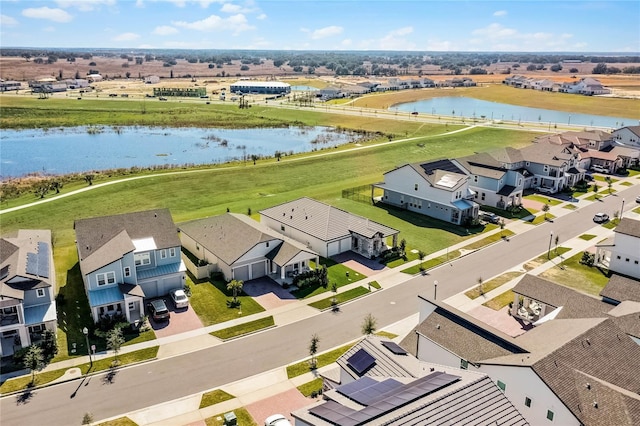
(214, 397)
(340, 298)
(323, 359)
(245, 328)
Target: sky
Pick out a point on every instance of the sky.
(411, 25)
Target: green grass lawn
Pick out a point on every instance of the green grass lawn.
(590, 280)
(245, 328)
(375, 285)
(209, 300)
(611, 223)
(492, 284)
(543, 258)
(489, 239)
(323, 359)
(340, 297)
(625, 183)
(500, 301)
(122, 421)
(409, 256)
(432, 263)
(242, 415)
(601, 178)
(587, 237)
(542, 199)
(42, 378)
(337, 273)
(542, 219)
(569, 207)
(636, 210)
(520, 214)
(214, 397)
(313, 386)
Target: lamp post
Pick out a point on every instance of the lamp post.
(435, 289)
(549, 251)
(85, 331)
(622, 209)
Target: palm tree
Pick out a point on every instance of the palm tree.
(235, 286)
(421, 255)
(313, 350)
(369, 324)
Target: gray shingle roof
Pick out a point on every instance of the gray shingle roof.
(628, 226)
(622, 288)
(101, 240)
(323, 221)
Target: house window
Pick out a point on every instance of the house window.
(127, 271)
(475, 178)
(502, 386)
(37, 328)
(483, 196)
(40, 292)
(527, 163)
(550, 415)
(282, 227)
(415, 187)
(267, 244)
(142, 259)
(132, 306)
(627, 259)
(546, 168)
(163, 254)
(464, 364)
(527, 401)
(172, 252)
(106, 278)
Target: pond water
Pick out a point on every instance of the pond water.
(79, 149)
(469, 107)
(304, 89)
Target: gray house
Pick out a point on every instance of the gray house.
(127, 258)
(27, 286)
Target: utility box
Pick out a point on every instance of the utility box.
(230, 419)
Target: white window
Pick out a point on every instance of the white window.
(40, 292)
(163, 254)
(132, 306)
(550, 415)
(106, 278)
(142, 259)
(415, 187)
(37, 328)
(127, 271)
(172, 252)
(546, 168)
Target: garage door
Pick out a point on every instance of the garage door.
(150, 289)
(258, 270)
(333, 248)
(241, 273)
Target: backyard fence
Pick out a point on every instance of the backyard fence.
(361, 194)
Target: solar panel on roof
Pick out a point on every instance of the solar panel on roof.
(361, 361)
(331, 411)
(394, 347)
(356, 386)
(366, 390)
(38, 263)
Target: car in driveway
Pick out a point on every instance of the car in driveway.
(600, 218)
(179, 298)
(277, 420)
(489, 217)
(158, 310)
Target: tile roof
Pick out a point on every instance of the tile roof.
(323, 221)
(622, 288)
(628, 226)
(108, 238)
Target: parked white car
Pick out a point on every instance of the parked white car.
(180, 299)
(277, 420)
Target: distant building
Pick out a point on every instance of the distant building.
(260, 87)
(152, 79)
(6, 86)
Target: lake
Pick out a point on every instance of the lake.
(469, 107)
(80, 149)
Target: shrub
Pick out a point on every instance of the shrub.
(587, 259)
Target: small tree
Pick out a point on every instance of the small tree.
(545, 209)
(502, 225)
(33, 360)
(421, 255)
(557, 239)
(235, 286)
(369, 324)
(249, 211)
(595, 190)
(49, 345)
(254, 157)
(89, 179)
(403, 247)
(480, 288)
(87, 419)
(334, 290)
(115, 339)
(313, 350)
(609, 183)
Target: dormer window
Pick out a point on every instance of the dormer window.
(415, 187)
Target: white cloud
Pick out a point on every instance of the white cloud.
(494, 31)
(235, 23)
(401, 32)
(500, 13)
(126, 37)
(325, 32)
(346, 42)
(165, 30)
(262, 16)
(49, 29)
(499, 38)
(395, 40)
(84, 5)
(440, 45)
(55, 15)
(7, 21)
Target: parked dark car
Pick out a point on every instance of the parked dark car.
(158, 310)
(490, 217)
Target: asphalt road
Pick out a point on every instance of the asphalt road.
(152, 383)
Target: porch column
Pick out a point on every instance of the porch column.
(514, 308)
(395, 240)
(282, 269)
(126, 310)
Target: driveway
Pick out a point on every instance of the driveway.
(283, 403)
(359, 263)
(268, 293)
(181, 320)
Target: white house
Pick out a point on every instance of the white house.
(27, 289)
(623, 256)
(628, 136)
(439, 189)
(328, 230)
(586, 86)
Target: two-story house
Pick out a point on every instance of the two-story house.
(585, 86)
(126, 258)
(623, 255)
(27, 286)
(551, 167)
(496, 177)
(439, 189)
(628, 136)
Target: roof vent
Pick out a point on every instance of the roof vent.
(595, 404)
(588, 385)
(438, 326)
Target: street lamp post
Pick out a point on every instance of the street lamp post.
(85, 331)
(622, 209)
(549, 251)
(435, 290)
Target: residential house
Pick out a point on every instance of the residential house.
(243, 249)
(76, 83)
(126, 259)
(380, 383)
(620, 289)
(27, 287)
(328, 230)
(585, 86)
(439, 189)
(497, 177)
(9, 85)
(152, 79)
(551, 167)
(571, 368)
(628, 136)
(622, 256)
